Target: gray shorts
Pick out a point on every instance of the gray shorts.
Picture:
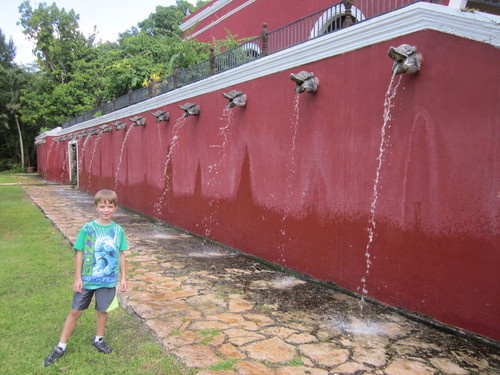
(103, 299)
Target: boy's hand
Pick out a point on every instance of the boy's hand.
(123, 285)
(78, 286)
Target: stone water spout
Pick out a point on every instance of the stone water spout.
(81, 134)
(236, 98)
(190, 109)
(94, 131)
(406, 59)
(106, 128)
(161, 115)
(306, 82)
(119, 125)
(138, 121)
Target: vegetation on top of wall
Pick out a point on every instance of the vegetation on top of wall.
(75, 73)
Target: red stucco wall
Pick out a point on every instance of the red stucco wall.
(300, 195)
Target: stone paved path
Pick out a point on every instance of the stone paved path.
(208, 304)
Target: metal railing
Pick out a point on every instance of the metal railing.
(495, 3)
(325, 21)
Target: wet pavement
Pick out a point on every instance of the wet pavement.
(212, 307)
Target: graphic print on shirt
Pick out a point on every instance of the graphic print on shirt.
(100, 249)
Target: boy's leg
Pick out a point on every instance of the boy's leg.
(81, 302)
(69, 325)
(102, 318)
(99, 342)
(104, 298)
(60, 349)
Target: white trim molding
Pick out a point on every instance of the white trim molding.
(458, 4)
(219, 4)
(209, 11)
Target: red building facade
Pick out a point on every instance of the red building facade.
(393, 198)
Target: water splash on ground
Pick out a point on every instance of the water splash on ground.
(286, 282)
(355, 326)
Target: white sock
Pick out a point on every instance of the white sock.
(62, 346)
(98, 338)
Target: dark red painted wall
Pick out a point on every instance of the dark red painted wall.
(300, 195)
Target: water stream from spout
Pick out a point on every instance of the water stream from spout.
(80, 162)
(65, 163)
(47, 157)
(179, 123)
(294, 129)
(384, 142)
(121, 155)
(96, 142)
(58, 144)
(158, 130)
(210, 221)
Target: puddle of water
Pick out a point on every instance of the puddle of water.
(163, 236)
(355, 326)
(214, 252)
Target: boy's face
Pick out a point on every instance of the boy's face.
(105, 210)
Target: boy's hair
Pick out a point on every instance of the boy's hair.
(108, 196)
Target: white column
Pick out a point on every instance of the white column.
(458, 4)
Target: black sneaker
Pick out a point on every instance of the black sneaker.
(102, 346)
(54, 356)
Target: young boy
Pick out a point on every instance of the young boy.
(100, 257)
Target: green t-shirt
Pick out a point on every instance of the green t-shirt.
(101, 260)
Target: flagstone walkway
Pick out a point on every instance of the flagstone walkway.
(208, 304)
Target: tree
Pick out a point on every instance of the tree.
(166, 20)
(65, 86)
(7, 51)
(58, 41)
(77, 74)
(12, 80)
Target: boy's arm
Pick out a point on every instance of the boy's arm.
(123, 272)
(78, 285)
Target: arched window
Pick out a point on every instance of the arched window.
(332, 19)
(237, 56)
(252, 50)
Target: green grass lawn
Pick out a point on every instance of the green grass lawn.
(36, 279)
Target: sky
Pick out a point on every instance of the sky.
(111, 17)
